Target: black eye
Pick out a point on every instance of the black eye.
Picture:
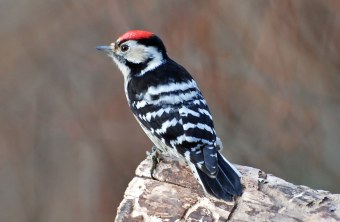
(124, 48)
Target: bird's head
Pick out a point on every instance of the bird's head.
(136, 52)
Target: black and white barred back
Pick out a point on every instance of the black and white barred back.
(172, 109)
(173, 113)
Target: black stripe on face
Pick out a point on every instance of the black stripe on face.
(136, 68)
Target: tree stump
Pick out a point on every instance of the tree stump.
(173, 194)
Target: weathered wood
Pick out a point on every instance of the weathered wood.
(173, 194)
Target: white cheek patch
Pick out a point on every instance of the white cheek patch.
(137, 55)
(155, 62)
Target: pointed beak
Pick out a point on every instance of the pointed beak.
(106, 49)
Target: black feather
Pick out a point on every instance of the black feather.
(217, 176)
(226, 185)
(210, 161)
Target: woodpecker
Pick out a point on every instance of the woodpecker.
(172, 111)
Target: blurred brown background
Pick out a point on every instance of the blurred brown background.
(270, 71)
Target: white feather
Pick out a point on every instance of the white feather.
(166, 125)
(156, 90)
(197, 125)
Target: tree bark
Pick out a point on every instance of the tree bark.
(173, 194)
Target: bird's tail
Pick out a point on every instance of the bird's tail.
(226, 185)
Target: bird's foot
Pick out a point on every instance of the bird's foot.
(155, 157)
(152, 152)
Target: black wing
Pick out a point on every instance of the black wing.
(181, 119)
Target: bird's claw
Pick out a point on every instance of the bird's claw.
(152, 152)
(155, 157)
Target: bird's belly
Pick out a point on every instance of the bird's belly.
(161, 146)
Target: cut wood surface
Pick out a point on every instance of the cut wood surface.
(173, 194)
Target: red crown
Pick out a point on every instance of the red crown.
(135, 35)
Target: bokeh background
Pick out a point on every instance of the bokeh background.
(270, 71)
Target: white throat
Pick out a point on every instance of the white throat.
(122, 67)
(126, 74)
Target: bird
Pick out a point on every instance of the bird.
(169, 106)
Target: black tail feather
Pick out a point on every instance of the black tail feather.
(227, 183)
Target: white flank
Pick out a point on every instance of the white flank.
(159, 143)
(199, 126)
